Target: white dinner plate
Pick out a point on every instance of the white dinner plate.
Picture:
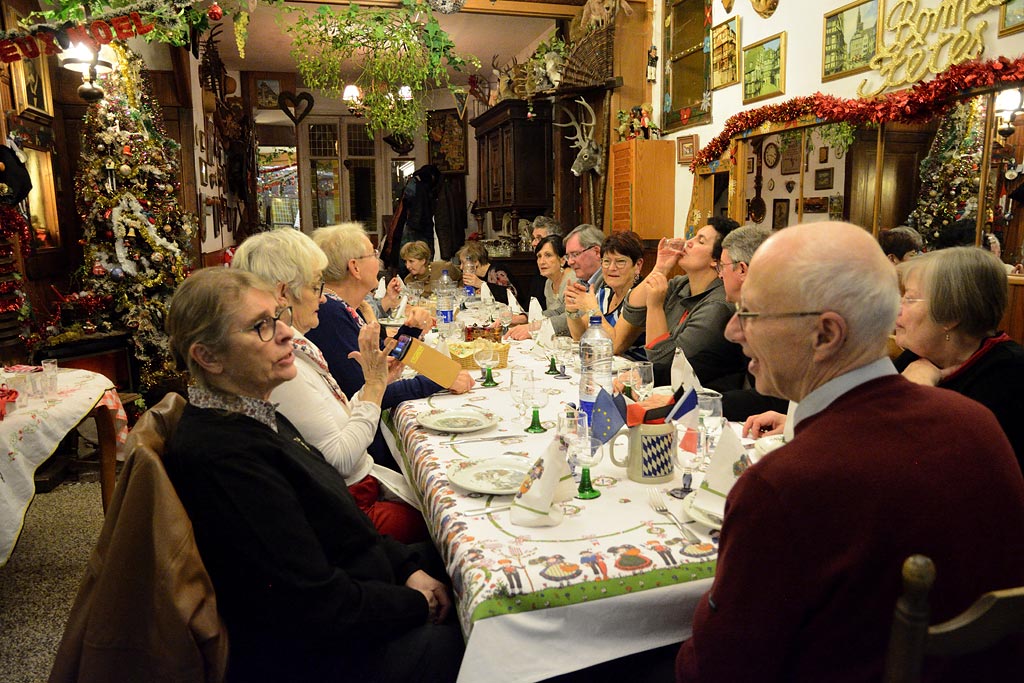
(457, 420)
(500, 475)
(698, 515)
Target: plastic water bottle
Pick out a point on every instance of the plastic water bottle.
(445, 304)
(595, 365)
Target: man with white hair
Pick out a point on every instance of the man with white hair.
(815, 533)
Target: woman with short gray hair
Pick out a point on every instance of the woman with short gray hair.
(953, 301)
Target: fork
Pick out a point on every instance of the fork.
(657, 502)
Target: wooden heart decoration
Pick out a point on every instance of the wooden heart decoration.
(288, 102)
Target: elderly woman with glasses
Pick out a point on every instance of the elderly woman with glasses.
(340, 428)
(953, 300)
(621, 262)
(307, 587)
(688, 312)
(351, 274)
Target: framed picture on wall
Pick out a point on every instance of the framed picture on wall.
(764, 68)
(267, 91)
(1011, 17)
(725, 53)
(686, 148)
(446, 141)
(32, 98)
(780, 214)
(750, 164)
(823, 178)
(851, 36)
(790, 159)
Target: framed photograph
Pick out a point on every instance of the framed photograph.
(686, 148)
(446, 141)
(823, 155)
(204, 173)
(851, 36)
(780, 214)
(750, 164)
(1011, 17)
(32, 97)
(201, 139)
(815, 204)
(764, 68)
(725, 53)
(823, 178)
(790, 159)
(267, 91)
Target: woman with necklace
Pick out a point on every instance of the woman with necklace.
(551, 263)
(621, 263)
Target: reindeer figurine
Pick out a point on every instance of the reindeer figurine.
(591, 154)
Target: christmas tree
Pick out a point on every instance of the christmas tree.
(947, 206)
(136, 239)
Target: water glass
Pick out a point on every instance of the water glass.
(520, 382)
(709, 406)
(639, 380)
(49, 377)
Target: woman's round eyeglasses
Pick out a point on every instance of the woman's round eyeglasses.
(266, 327)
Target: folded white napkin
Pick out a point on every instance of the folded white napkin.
(728, 462)
(682, 373)
(513, 305)
(485, 293)
(546, 334)
(536, 310)
(400, 311)
(787, 431)
(382, 289)
(535, 504)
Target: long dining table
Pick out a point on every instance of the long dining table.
(612, 579)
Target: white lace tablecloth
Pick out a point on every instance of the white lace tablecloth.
(612, 579)
(30, 435)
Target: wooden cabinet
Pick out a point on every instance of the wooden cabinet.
(514, 155)
(642, 177)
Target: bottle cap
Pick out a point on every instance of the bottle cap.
(595, 320)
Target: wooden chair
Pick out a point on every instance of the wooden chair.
(146, 609)
(992, 617)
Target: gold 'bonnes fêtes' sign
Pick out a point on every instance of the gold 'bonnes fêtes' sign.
(926, 40)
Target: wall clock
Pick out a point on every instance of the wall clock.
(771, 155)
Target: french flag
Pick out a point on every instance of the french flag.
(685, 412)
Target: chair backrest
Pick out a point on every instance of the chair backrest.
(146, 608)
(992, 617)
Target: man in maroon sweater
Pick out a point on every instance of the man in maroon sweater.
(815, 534)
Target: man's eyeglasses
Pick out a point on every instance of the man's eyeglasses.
(722, 264)
(618, 263)
(573, 255)
(265, 328)
(744, 316)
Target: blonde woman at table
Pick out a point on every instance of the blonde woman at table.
(416, 256)
(953, 300)
(621, 262)
(340, 428)
(308, 588)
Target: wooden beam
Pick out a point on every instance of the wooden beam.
(556, 9)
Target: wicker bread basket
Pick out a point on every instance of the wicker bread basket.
(462, 353)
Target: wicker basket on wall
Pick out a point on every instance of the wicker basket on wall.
(591, 62)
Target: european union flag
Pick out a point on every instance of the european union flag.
(606, 420)
(685, 410)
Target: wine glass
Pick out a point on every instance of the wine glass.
(638, 380)
(469, 265)
(505, 318)
(587, 452)
(518, 381)
(709, 407)
(565, 347)
(486, 357)
(536, 396)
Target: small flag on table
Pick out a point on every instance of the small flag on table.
(606, 420)
(685, 412)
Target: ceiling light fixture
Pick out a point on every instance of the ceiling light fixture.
(353, 98)
(80, 58)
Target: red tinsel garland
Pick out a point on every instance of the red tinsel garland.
(922, 101)
(12, 224)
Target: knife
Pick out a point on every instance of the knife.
(479, 438)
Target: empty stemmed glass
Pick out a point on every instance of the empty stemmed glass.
(520, 381)
(638, 380)
(536, 397)
(709, 406)
(486, 357)
(587, 452)
(565, 348)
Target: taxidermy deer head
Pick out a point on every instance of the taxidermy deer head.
(591, 155)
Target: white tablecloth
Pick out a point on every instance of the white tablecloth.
(612, 579)
(30, 435)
